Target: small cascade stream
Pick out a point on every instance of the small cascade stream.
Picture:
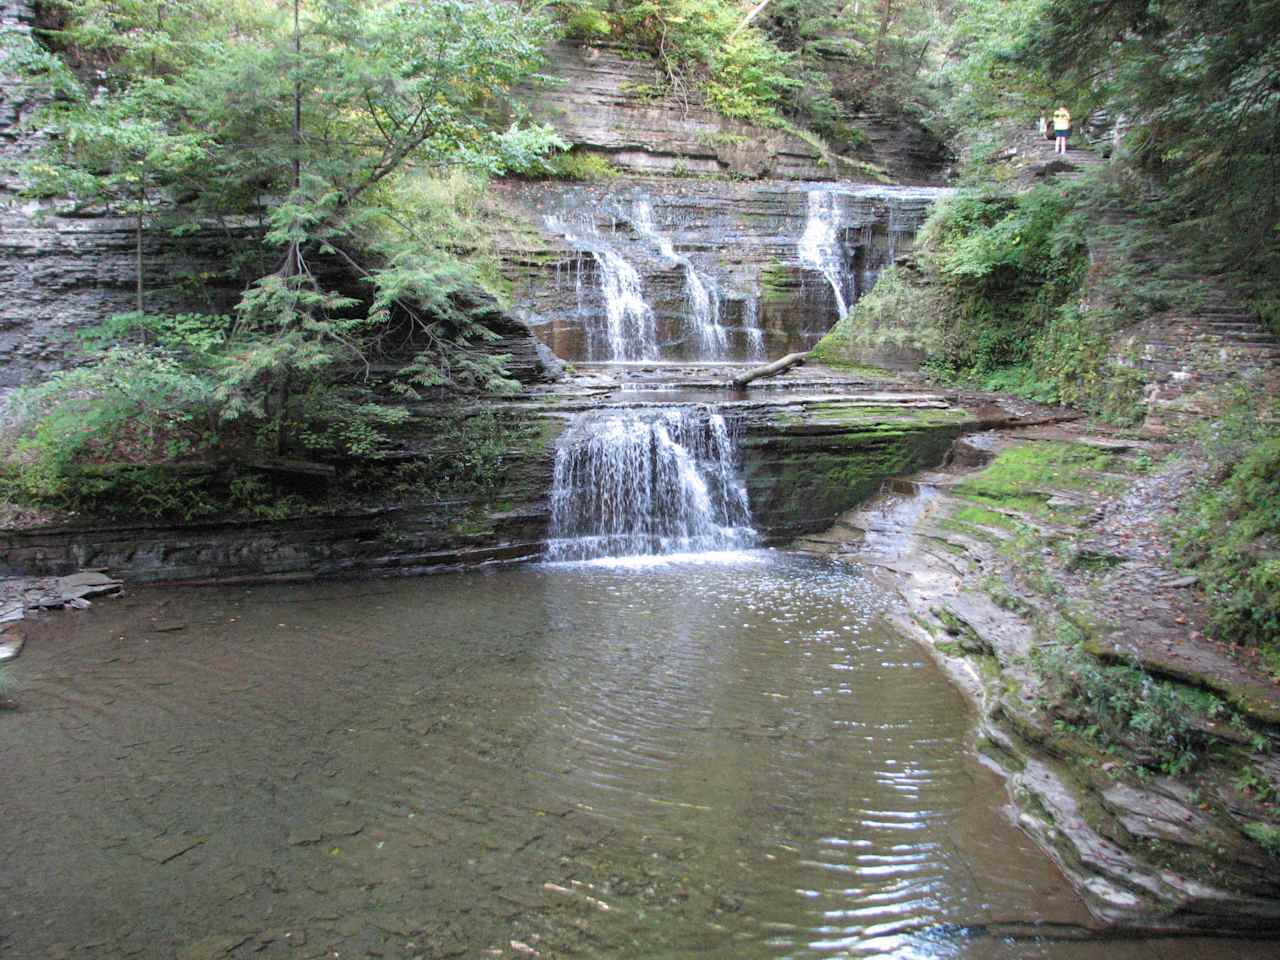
(819, 247)
(643, 482)
(629, 331)
(702, 291)
(649, 480)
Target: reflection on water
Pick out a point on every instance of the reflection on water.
(717, 758)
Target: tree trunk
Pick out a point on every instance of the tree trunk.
(887, 16)
(295, 255)
(282, 410)
(770, 369)
(137, 260)
(755, 12)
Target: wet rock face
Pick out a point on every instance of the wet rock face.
(605, 103)
(802, 462)
(725, 270)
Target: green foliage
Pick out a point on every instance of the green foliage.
(361, 140)
(899, 311)
(978, 91)
(1265, 835)
(256, 496)
(1121, 706)
(1024, 476)
(995, 302)
(1255, 782)
(582, 165)
(132, 406)
(1195, 77)
(1008, 262)
(7, 684)
(586, 19)
(700, 45)
(852, 55)
(472, 460)
(747, 77)
(1229, 531)
(1075, 355)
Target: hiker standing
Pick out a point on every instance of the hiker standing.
(1061, 129)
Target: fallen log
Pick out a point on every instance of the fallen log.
(770, 369)
(304, 468)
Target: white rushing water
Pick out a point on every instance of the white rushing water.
(629, 331)
(647, 482)
(702, 291)
(819, 247)
(751, 327)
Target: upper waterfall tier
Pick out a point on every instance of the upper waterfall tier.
(702, 270)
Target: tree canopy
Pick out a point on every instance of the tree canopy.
(317, 119)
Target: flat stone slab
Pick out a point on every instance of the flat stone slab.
(10, 645)
(20, 594)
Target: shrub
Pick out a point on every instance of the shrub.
(899, 311)
(582, 165)
(1229, 531)
(1120, 705)
(132, 406)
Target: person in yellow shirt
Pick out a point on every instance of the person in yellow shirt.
(1061, 129)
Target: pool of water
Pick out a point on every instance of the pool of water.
(717, 757)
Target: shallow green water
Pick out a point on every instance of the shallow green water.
(735, 758)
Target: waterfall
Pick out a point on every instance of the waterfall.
(751, 325)
(629, 331)
(702, 292)
(819, 247)
(644, 481)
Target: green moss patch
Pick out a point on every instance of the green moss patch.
(1024, 477)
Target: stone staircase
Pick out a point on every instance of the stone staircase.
(1209, 338)
(1036, 161)
(1188, 351)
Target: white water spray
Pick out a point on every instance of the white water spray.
(702, 292)
(644, 482)
(629, 331)
(819, 247)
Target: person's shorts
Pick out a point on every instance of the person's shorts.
(1062, 134)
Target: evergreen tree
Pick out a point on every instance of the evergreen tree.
(309, 115)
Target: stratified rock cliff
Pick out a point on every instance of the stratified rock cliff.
(605, 102)
(62, 270)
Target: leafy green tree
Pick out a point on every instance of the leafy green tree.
(315, 117)
(1195, 83)
(117, 152)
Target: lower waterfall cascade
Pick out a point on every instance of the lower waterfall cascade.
(642, 482)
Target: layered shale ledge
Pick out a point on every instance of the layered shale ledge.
(1029, 542)
(806, 455)
(608, 103)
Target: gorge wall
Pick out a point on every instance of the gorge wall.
(805, 457)
(604, 101)
(755, 257)
(66, 269)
